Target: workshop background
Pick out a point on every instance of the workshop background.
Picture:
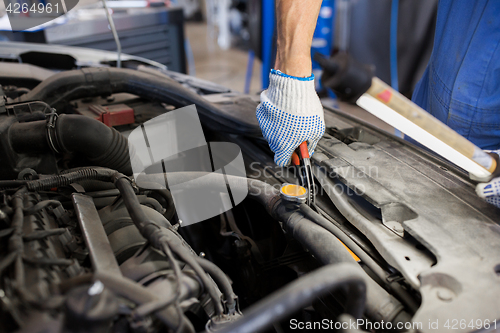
(232, 42)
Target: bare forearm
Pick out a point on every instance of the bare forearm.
(296, 20)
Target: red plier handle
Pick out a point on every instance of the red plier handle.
(300, 153)
(300, 158)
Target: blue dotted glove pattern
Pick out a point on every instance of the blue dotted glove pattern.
(490, 191)
(285, 132)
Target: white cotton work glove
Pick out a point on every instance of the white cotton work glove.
(290, 113)
(490, 191)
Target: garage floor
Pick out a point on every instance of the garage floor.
(229, 67)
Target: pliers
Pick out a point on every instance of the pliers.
(301, 159)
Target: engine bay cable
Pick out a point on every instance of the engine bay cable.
(300, 293)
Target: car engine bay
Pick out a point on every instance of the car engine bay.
(392, 238)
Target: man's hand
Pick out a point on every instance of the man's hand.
(290, 113)
(490, 191)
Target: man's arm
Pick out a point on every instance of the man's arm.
(296, 20)
(290, 111)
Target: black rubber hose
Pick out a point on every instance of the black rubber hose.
(99, 143)
(142, 222)
(8, 260)
(301, 293)
(165, 194)
(324, 246)
(185, 255)
(169, 214)
(41, 205)
(15, 243)
(40, 234)
(156, 236)
(222, 281)
(141, 295)
(11, 183)
(29, 137)
(63, 87)
(144, 200)
(323, 222)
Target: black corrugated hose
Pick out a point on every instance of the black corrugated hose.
(61, 88)
(101, 145)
